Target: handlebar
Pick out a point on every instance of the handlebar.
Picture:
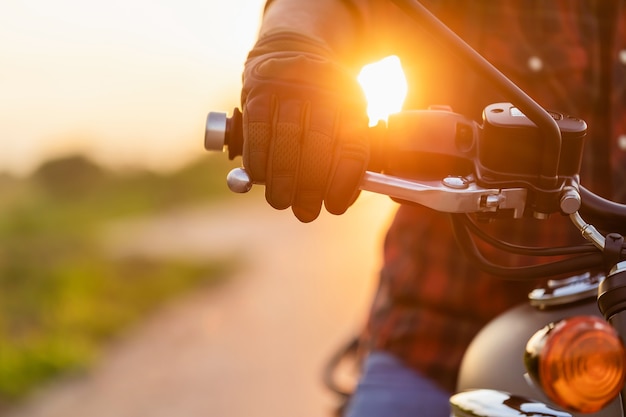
(486, 189)
(452, 194)
(463, 192)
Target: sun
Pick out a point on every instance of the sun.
(385, 87)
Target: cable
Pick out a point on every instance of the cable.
(569, 265)
(526, 250)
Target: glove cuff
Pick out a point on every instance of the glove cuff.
(289, 41)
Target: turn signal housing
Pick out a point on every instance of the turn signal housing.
(578, 362)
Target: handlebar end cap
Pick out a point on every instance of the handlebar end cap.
(215, 132)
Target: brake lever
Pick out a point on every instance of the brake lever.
(450, 195)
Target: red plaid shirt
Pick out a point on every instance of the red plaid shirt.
(569, 56)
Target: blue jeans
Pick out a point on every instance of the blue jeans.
(389, 388)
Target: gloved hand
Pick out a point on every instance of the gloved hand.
(304, 127)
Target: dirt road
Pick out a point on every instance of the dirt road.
(255, 346)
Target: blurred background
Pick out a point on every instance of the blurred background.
(131, 281)
(127, 82)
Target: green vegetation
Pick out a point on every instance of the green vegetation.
(61, 297)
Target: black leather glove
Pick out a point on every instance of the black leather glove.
(304, 127)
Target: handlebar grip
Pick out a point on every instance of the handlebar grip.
(224, 132)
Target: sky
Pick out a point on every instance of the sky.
(128, 82)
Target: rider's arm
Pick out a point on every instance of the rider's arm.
(355, 31)
(330, 22)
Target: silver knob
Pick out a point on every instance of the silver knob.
(570, 201)
(239, 181)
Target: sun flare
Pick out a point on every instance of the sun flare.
(385, 87)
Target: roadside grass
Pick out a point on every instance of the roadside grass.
(61, 297)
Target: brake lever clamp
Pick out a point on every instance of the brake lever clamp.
(502, 156)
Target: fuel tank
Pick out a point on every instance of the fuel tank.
(494, 359)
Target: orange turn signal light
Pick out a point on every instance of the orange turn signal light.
(579, 363)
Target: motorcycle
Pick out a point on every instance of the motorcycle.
(562, 353)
